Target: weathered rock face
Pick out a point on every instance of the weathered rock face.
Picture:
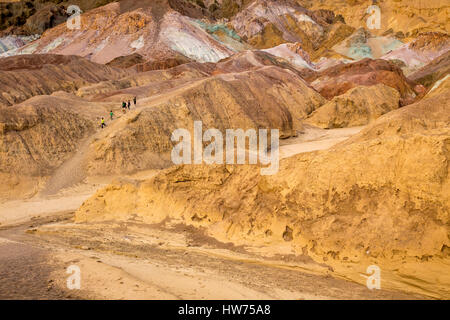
(14, 14)
(167, 33)
(216, 9)
(337, 32)
(265, 24)
(432, 72)
(357, 107)
(37, 136)
(163, 79)
(39, 15)
(339, 79)
(248, 60)
(142, 65)
(149, 28)
(407, 17)
(126, 62)
(428, 114)
(412, 16)
(190, 8)
(362, 44)
(293, 53)
(439, 87)
(45, 18)
(11, 43)
(431, 41)
(34, 17)
(420, 51)
(345, 203)
(268, 97)
(163, 63)
(26, 76)
(146, 84)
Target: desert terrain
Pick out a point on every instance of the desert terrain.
(363, 117)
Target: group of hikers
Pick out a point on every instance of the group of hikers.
(125, 106)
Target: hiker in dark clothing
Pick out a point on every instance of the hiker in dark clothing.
(129, 104)
(124, 107)
(134, 100)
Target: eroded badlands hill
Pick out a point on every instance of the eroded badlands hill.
(339, 79)
(359, 106)
(26, 76)
(267, 97)
(37, 136)
(242, 92)
(408, 17)
(150, 28)
(167, 33)
(378, 197)
(369, 197)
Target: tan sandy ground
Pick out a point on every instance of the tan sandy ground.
(314, 139)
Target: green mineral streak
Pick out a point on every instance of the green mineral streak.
(392, 46)
(213, 28)
(360, 52)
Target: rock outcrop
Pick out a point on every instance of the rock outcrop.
(362, 44)
(34, 17)
(161, 80)
(357, 107)
(125, 62)
(339, 79)
(432, 72)
(37, 136)
(266, 23)
(439, 87)
(420, 51)
(149, 28)
(10, 43)
(407, 18)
